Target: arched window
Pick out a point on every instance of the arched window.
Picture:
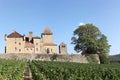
(48, 51)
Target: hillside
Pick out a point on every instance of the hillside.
(114, 59)
(115, 56)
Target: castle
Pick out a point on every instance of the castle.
(17, 43)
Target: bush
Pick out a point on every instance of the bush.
(54, 57)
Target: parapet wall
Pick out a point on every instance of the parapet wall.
(48, 57)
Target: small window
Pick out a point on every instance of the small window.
(48, 51)
(27, 49)
(51, 50)
(15, 48)
(36, 43)
(36, 49)
(19, 50)
(19, 43)
(31, 48)
(15, 42)
(63, 46)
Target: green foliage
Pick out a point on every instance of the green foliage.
(11, 69)
(114, 59)
(91, 59)
(89, 40)
(54, 57)
(104, 59)
(73, 71)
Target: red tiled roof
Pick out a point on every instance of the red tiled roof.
(14, 35)
(47, 31)
(49, 44)
(29, 45)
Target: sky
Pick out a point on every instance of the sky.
(62, 17)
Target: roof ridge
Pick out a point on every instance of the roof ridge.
(14, 34)
(47, 31)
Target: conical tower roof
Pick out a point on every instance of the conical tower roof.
(47, 31)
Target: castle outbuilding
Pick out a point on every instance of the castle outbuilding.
(17, 43)
(63, 48)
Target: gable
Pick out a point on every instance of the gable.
(14, 35)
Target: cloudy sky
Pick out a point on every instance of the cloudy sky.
(62, 17)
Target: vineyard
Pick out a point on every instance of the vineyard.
(46, 70)
(11, 69)
(73, 71)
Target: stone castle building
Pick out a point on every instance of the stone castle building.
(63, 48)
(17, 43)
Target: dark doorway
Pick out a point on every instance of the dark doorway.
(48, 51)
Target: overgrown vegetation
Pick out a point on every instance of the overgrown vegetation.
(92, 60)
(54, 57)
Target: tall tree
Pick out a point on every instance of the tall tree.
(89, 40)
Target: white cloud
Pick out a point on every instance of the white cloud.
(81, 23)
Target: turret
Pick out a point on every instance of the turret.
(47, 36)
(62, 48)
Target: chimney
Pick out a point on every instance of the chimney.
(30, 36)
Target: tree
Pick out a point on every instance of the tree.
(89, 40)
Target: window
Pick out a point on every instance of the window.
(48, 51)
(36, 49)
(15, 42)
(31, 48)
(15, 48)
(36, 43)
(19, 50)
(19, 43)
(27, 49)
(63, 46)
(51, 50)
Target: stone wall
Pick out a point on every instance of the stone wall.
(48, 57)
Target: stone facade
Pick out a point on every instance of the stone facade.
(63, 48)
(47, 57)
(17, 43)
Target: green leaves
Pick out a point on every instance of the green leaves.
(11, 69)
(74, 71)
(89, 40)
